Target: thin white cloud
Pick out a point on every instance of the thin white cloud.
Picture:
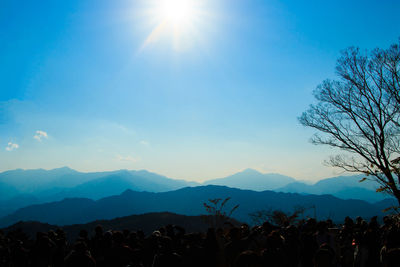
(145, 143)
(11, 146)
(40, 135)
(127, 159)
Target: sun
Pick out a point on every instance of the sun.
(176, 11)
(178, 20)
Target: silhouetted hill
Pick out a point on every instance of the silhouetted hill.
(253, 180)
(148, 223)
(189, 201)
(22, 200)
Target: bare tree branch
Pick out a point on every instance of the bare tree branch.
(360, 114)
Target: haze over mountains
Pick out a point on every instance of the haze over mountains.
(253, 180)
(21, 188)
(65, 182)
(346, 187)
(46, 182)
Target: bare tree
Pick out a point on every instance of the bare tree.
(217, 209)
(277, 217)
(359, 114)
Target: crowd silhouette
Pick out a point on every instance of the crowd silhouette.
(309, 243)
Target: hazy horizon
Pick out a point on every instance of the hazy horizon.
(192, 90)
(188, 179)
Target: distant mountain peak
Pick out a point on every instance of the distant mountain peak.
(127, 192)
(250, 171)
(61, 170)
(122, 171)
(142, 171)
(253, 180)
(65, 168)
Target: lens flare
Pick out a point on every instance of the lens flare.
(176, 11)
(178, 20)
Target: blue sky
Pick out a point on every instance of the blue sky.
(81, 86)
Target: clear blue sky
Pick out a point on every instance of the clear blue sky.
(102, 85)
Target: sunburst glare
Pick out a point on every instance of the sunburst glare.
(176, 11)
(178, 20)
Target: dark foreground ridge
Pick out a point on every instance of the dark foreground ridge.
(308, 243)
(145, 222)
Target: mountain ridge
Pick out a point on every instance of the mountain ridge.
(147, 222)
(65, 182)
(189, 201)
(254, 180)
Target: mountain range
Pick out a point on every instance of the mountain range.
(22, 188)
(345, 187)
(190, 201)
(253, 180)
(19, 188)
(47, 182)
